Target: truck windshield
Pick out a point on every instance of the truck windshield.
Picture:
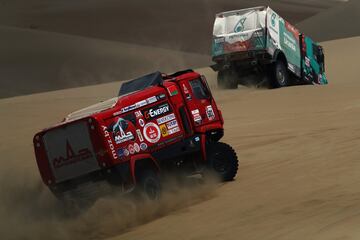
(319, 56)
(199, 89)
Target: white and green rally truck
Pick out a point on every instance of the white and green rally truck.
(257, 46)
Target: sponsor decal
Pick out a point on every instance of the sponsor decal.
(128, 108)
(239, 27)
(196, 111)
(166, 118)
(120, 152)
(71, 156)
(138, 132)
(151, 100)
(210, 113)
(143, 146)
(138, 114)
(290, 41)
(126, 152)
(237, 45)
(173, 130)
(136, 147)
(172, 124)
(172, 90)
(109, 141)
(141, 122)
(273, 19)
(186, 91)
(161, 96)
(156, 111)
(151, 132)
(163, 130)
(131, 149)
(139, 104)
(293, 30)
(197, 119)
(196, 116)
(119, 133)
(219, 40)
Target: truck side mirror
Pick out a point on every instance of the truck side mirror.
(321, 59)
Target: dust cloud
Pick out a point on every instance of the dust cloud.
(28, 210)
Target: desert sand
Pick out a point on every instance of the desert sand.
(298, 177)
(337, 22)
(298, 146)
(36, 61)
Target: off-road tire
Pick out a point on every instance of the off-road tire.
(227, 79)
(281, 75)
(222, 159)
(148, 185)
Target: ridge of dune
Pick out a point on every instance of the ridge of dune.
(337, 22)
(182, 25)
(36, 61)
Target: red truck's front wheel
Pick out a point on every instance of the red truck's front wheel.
(223, 160)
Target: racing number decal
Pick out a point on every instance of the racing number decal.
(151, 132)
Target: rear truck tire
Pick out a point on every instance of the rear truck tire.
(222, 160)
(148, 185)
(227, 79)
(281, 75)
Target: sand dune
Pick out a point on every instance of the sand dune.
(337, 22)
(35, 61)
(184, 25)
(298, 177)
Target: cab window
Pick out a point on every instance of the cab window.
(199, 89)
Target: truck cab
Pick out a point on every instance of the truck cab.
(313, 61)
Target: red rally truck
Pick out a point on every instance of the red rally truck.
(158, 123)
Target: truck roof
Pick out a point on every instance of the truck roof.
(141, 83)
(130, 94)
(240, 11)
(87, 111)
(151, 79)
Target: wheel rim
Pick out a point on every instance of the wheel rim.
(281, 76)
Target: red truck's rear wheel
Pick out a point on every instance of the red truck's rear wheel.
(223, 160)
(148, 185)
